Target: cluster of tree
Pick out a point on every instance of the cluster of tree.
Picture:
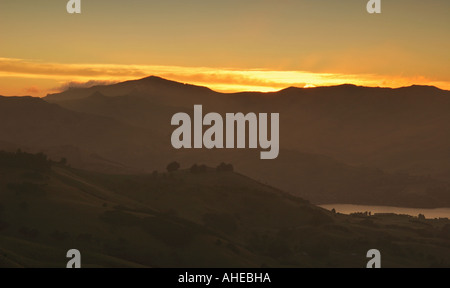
(38, 162)
(222, 167)
(172, 167)
(225, 167)
(361, 214)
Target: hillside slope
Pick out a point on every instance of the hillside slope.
(184, 219)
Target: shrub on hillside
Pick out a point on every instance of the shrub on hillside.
(172, 167)
(225, 167)
(37, 162)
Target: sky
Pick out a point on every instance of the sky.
(233, 45)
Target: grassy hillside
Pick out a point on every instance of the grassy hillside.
(184, 219)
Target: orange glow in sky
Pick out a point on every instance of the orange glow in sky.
(228, 46)
(37, 78)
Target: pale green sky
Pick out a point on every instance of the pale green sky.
(410, 39)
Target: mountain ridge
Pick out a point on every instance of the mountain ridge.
(393, 130)
(156, 80)
(127, 87)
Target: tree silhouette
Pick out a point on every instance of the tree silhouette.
(22, 160)
(225, 167)
(172, 167)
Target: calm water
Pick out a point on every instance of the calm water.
(429, 213)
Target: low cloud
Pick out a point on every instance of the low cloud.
(88, 84)
(32, 90)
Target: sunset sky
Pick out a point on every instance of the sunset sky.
(231, 45)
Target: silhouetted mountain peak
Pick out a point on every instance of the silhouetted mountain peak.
(155, 82)
(422, 88)
(339, 89)
(151, 85)
(157, 79)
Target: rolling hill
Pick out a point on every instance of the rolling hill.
(405, 129)
(185, 219)
(341, 144)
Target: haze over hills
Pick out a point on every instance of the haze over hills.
(34, 124)
(344, 144)
(402, 129)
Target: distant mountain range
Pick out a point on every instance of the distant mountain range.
(340, 144)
